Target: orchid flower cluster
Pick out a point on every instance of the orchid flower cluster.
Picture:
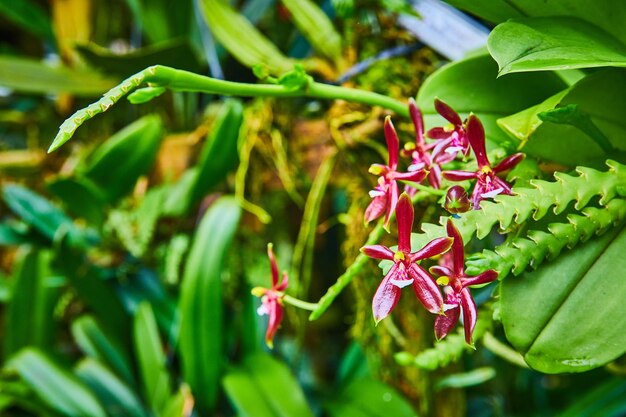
(426, 161)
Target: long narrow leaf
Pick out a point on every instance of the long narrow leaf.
(201, 302)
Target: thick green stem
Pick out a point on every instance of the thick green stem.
(179, 80)
(296, 302)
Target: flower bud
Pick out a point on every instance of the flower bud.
(456, 200)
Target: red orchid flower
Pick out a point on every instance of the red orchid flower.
(488, 184)
(385, 195)
(405, 270)
(420, 152)
(456, 289)
(451, 140)
(272, 299)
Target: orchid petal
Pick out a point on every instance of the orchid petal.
(426, 289)
(401, 283)
(454, 149)
(459, 175)
(476, 198)
(376, 208)
(434, 176)
(458, 253)
(469, 314)
(376, 193)
(509, 162)
(275, 317)
(393, 143)
(283, 283)
(415, 176)
(378, 252)
(439, 133)
(476, 136)
(444, 324)
(434, 247)
(447, 113)
(392, 197)
(483, 278)
(492, 193)
(440, 270)
(416, 167)
(506, 188)
(386, 297)
(418, 121)
(404, 218)
(273, 264)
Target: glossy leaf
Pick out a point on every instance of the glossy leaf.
(471, 85)
(553, 43)
(117, 164)
(218, 157)
(201, 302)
(42, 215)
(117, 397)
(57, 387)
(96, 343)
(597, 96)
(608, 15)
(29, 319)
(264, 387)
(31, 76)
(369, 398)
(315, 26)
(151, 358)
(580, 290)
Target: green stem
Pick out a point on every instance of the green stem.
(296, 302)
(179, 80)
(500, 349)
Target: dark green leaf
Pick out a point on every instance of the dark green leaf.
(162, 20)
(30, 16)
(30, 76)
(264, 387)
(95, 342)
(29, 318)
(201, 302)
(598, 96)
(117, 164)
(611, 395)
(57, 387)
(369, 398)
(80, 197)
(42, 215)
(178, 54)
(471, 85)
(467, 379)
(562, 317)
(553, 43)
(117, 397)
(151, 358)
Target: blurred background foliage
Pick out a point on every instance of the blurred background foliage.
(127, 258)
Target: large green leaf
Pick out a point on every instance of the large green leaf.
(98, 344)
(605, 400)
(553, 43)
(80, 197)
(598, 96)
(56, 386)
(29, 318)
(201, 302)
(162, 20)
(151, 358)
(30, 76)
(117, 164)
(242, 39)
(118, 398)
(369, 398)
(264, 387)
(218, 157)
(471, 85)
(564, 317)
(606, 14)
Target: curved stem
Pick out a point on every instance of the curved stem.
(296, 302)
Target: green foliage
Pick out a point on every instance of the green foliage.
(264, 387)
(606, 400)
(580, 290)
(30, 16)
(368, 398)
(56, 386)
(518, 254)
(117, 164)
(30, 76)
(553, 43)
(201, 333)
